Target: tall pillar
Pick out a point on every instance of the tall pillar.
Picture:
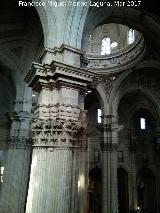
(82, 180)
(133, 179)
(18, 153)
(133, 182)
(109, 167)
(57, 130)
(52, 175)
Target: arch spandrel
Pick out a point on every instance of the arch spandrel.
(129, 81)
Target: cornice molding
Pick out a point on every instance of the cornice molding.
(117, 62)
(60, 49)
(53, 75)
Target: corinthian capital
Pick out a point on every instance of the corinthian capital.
(57, 133)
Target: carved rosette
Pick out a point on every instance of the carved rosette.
(57, 133)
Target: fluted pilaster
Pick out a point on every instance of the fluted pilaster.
(16, 171)
(109, 178)
(83, 180)
(50, 182)
(133, 183)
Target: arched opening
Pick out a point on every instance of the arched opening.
(123, 196)
(139, 114)
(94, 191)
(21, 36)
(7, 98)
(95, 121)
(146, 188)
(106, 46)
(21, 41)
(143, 122)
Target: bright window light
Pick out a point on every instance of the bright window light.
(1, 173)
(114, 44)
(106, 46)
(99, 114)
(143, 123)
(131, 36)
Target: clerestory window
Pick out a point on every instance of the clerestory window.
(131, 36)
(142, 123)
(106, 46)
(99, 114)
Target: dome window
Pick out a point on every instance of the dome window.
(143, 123)
(131, 36)
(106, 46)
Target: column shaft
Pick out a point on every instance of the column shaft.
(109, 179)
(50, 181)
(83, 181)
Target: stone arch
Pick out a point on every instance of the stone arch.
(21, 38)
(117, 95)
(100, 94)
(48, 21)
(103, 99)
(145, 94)
(66, 29)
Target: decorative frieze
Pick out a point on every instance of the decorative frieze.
(57, 133)
(118, 61)
(54, 111)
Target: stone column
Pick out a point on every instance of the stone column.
(83, 180)
(52, 178)
(133, 182)
(57, 130)
(18, 153)
(133, 194)
(109, 167)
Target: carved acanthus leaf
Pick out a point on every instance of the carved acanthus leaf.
(57, 133)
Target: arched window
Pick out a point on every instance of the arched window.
(106, 46)
(143, 123)
(131, 36)
(99, 114)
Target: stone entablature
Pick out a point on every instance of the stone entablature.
(53, 75)
(116, 62)
(65, 54)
